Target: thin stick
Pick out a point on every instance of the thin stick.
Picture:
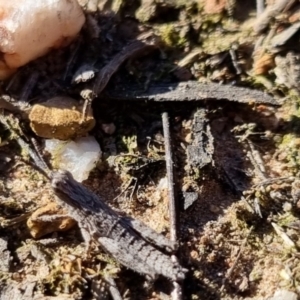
(257, 161)
(238, 69)
(35, 156)
(11, 222)
(177, 291)
(72, 58)
(38, 151)
(228, 275)
(273, 180)
(144, 42)
(170, 176)
(260, 7)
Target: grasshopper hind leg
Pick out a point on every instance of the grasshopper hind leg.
(127, 259)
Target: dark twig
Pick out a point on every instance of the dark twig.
(38, 151)
(256, 161)
(177, 292)
(234, 60)
(143, 43)
(33, 154)
(170, 176)
(188, 91)
(11, 222)
(72, 59)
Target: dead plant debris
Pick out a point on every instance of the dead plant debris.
(235, 160)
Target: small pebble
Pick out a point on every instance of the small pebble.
(284, 295)
(287, 206)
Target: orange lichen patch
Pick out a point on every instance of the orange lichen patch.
(39, 227)
(263, 62)
(60, 118)
(214, 6)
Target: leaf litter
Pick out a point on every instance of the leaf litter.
(239, 238)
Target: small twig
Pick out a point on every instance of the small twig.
(38, 151)
(11, 222)
(125, 189)
(263, 41)
(170, 176)
(260, 7)
(72, 58)
(228, 275)
(112, 287)
(273, 180)
(145, 42)
(271, 12)
(12, 81)
(177, 291)
(134, 188)
(233, 56)
(86, 109)
(36, 156)
(256, 160)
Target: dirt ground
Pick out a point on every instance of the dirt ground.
(238, 193)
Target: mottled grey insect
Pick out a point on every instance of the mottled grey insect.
(129, 241)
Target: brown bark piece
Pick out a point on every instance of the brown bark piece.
(38, 227)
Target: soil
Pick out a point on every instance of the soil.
(238, 211)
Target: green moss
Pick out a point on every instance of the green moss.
(130, 142)
(170, 35)
(289, 146)
(286, 219)
(287, 140)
